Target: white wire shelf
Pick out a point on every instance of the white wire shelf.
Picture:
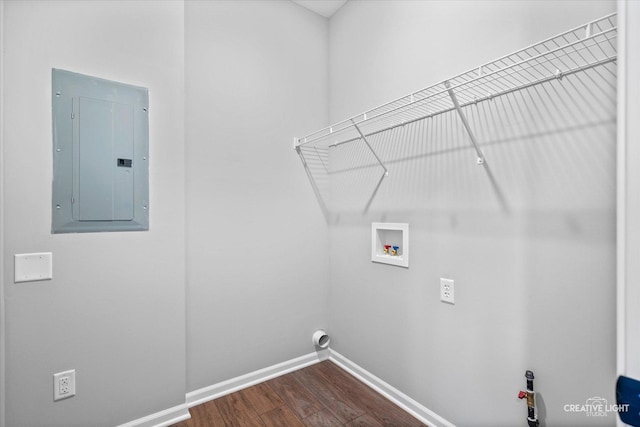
(589, 46)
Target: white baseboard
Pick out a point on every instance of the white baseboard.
(197, 397)
(206, 394)
(419, 411)
(163, 418)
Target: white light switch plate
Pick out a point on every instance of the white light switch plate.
(33, 267)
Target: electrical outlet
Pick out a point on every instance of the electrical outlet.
(447, 291)
(64, 384)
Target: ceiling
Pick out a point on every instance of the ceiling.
(325, 8)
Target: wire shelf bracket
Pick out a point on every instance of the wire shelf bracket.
(465, 123)
(364, 138)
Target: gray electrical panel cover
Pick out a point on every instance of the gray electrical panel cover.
(100, 154)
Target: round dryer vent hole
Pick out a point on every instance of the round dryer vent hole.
(321, 339)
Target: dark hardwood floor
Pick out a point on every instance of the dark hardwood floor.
(319, 395)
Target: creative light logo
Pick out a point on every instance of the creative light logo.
(596, 407)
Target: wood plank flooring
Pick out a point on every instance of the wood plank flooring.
(321, 395)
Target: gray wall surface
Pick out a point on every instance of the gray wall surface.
(115, 309)
(257, 262)
(239, 278)
(529, 241)
(631, 206)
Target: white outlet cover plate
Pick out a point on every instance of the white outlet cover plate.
(33, 267)
(57, 395)
(447, 291)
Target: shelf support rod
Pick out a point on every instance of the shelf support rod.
(364, 138)
(474, 141)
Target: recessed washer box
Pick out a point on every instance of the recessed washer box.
(390, 243)
(100, 154)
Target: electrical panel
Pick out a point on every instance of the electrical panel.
(100, 154)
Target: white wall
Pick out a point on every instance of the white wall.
(630, 200)
(115, 309)
(257, 260)
(533, 272)
(531, 245)
(2, 305)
